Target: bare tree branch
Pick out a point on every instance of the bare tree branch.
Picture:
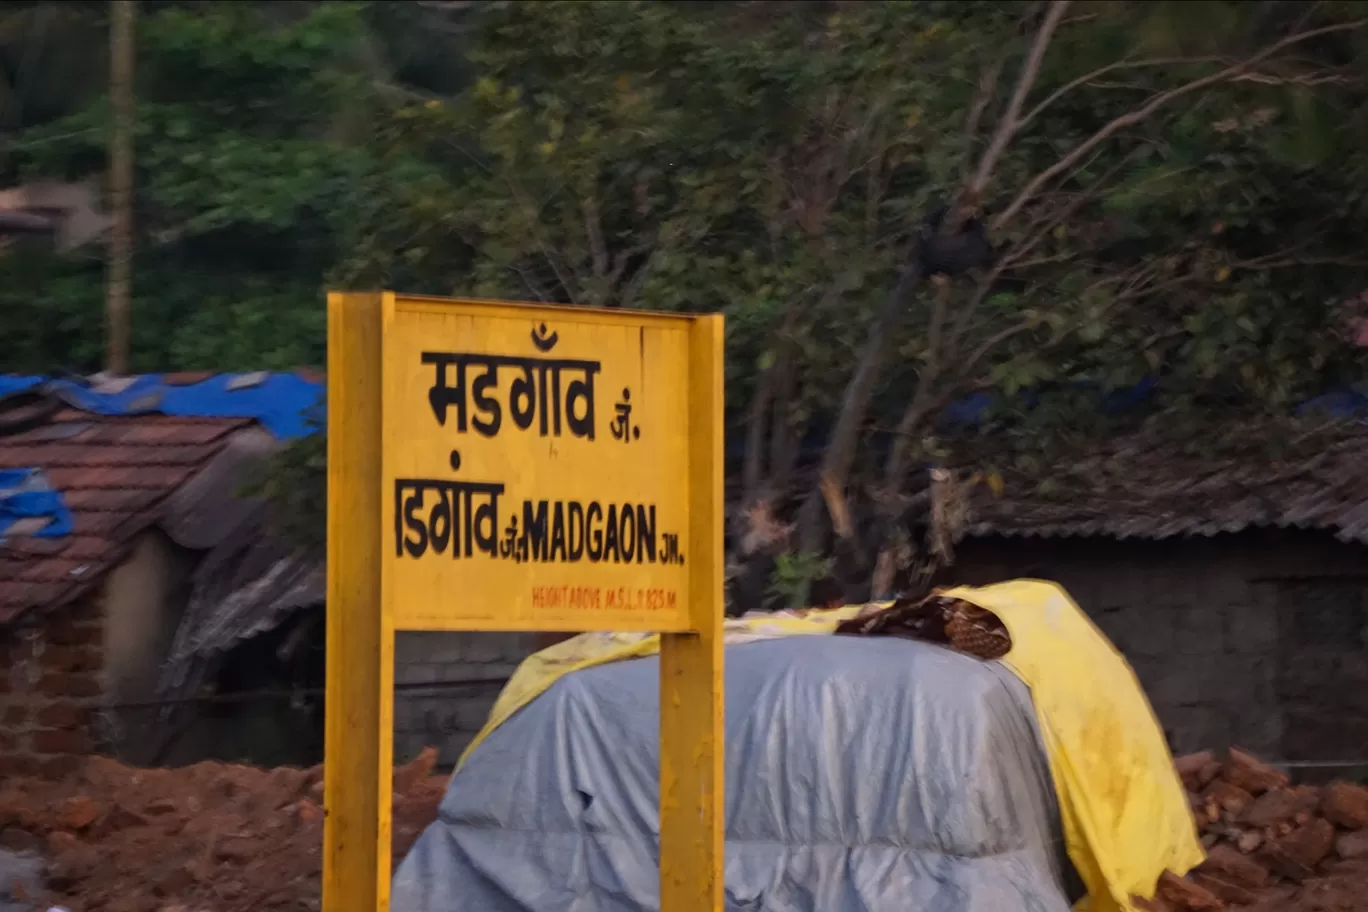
(1086, 78)
(1015, 259)
(1279, 261)
(836, 507)
(533, 214)
(1142, 113)
(935, 329)
(926, 383)
(593, 228)
(753, 464)
(623, 258)
(1302, 79)
(638, 281)
(530, 284)
(844, 436)
(987, 87)
(783, 442)
(992, 342)
(1030, 70)
(770, 394)
(876, 181)
(970, 364)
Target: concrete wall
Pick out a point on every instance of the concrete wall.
(1251, 639)
(144, 599)
(446, 684)
(1257, 640)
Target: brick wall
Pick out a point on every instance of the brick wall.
(446, 683)
(50, 690)
(1248, 639)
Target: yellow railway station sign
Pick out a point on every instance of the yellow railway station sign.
(497, 466)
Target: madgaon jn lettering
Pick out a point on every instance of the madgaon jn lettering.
(466, 519)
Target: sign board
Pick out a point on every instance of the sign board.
(497, 466)
(542, 478)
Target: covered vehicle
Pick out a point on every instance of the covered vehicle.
(862, 775)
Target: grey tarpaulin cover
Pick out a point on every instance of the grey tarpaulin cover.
(863, 775)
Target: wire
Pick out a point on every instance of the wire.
(248, 696)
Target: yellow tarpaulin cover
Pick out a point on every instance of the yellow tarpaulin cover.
(1124, 811)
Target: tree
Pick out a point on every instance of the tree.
(123, 38)
(802, 155)
(1081, 174)
(1175, 192)
(248, 185)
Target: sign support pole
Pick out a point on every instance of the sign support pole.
(356, 772)
(692, 795)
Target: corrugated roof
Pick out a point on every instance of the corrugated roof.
(113, 473)
(249, 581)
(1162, 484)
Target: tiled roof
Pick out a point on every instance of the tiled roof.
(113, 473)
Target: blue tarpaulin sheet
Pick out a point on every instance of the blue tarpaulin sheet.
(287, 405)
(862, 775)
(25, 494)
(283, 403)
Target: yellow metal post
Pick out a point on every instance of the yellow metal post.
(356, 774)
(692, 792)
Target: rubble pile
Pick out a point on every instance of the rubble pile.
(1270, 845)
(206, 838)
(223, 838)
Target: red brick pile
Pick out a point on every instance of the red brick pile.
(207, 837)
(1270, 845)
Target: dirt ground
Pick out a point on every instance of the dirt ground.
(222, 838)
(207, 838)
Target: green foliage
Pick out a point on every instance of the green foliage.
(247, 190)
(295, 484)
(794, 575)
(769, 161)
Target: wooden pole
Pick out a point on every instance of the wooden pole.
(122, 44)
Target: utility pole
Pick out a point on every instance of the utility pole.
(122, 43)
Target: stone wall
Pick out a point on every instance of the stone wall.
(1251, 639)
(445, 685)
(50, 690)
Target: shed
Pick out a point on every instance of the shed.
(146, 611)
(1229, 564)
